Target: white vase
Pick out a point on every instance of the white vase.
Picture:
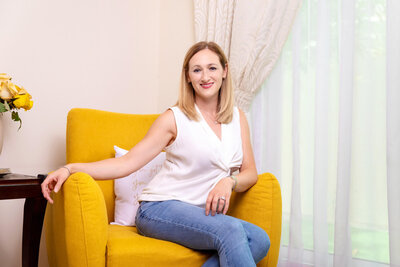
(1, 132)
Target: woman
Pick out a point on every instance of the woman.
(206, 140)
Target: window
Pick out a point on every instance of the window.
(310, 61)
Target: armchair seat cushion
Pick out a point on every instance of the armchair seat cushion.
(125, 247)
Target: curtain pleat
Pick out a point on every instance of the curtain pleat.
(266, 122)
(322, 134)
(342, 255)
(393, 127)
(295, 251)
(273, 120)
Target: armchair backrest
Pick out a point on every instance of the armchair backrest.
(92, 134)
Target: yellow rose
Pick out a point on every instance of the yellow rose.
(21, 91)
(4, 77)
(23, 101)
(5, 92)
(12, 88)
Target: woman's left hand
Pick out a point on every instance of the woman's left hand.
(219, 197)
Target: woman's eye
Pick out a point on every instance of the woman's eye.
(196, 70)
(213, 68)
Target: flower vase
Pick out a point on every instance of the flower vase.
(1, 132)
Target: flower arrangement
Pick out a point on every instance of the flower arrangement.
(13, 97)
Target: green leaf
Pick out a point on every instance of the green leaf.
(15, 117)
(2, 108)
(7, 106)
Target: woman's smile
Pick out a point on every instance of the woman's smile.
(207, 85)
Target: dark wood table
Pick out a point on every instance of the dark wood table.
(14, 186)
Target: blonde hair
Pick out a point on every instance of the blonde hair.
(187, 95)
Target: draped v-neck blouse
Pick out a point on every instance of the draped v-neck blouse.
(196, 160)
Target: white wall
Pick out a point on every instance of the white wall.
(115, 55)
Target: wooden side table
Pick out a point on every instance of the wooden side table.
(14, 186)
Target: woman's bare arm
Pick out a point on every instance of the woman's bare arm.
(246, 178)
(160, 134)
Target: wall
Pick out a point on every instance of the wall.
(121, 56)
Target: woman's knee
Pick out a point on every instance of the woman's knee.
(261, 243)
(232, 231)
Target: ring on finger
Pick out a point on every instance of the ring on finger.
(223, 207)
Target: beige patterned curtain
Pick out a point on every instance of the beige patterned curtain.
(252, 34)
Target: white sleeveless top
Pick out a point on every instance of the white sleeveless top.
(196, 160)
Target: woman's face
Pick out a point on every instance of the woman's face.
(206, 74)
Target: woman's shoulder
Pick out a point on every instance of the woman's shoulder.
(242, 118)
(237, 113)
(236, 109)
(174, 110)
(166, 121)
(167, 116)
(179, 114)
(239, 116)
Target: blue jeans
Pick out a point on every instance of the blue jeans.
(236, 242)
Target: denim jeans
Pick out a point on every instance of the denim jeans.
(235, 242)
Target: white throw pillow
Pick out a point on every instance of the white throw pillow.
(128, 189)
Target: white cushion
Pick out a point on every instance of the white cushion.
(128, 189)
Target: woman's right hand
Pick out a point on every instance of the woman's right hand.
(54, 181)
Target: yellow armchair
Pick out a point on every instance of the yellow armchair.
(77, 226)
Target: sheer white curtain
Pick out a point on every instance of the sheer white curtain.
(327, 123)
(393, 127)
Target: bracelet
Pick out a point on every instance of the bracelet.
(234, 179)
(65, 167)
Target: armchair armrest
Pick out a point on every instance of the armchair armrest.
(262, 205)
(76, 224)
